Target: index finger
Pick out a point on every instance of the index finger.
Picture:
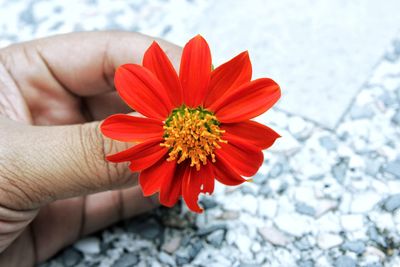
(85, 62)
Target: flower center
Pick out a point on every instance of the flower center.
(192, 134)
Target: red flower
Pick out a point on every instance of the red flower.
(198, 124)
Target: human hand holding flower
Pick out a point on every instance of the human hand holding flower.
(46, 171)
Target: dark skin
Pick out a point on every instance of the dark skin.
(55, 185)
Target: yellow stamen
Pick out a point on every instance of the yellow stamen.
(192, 134)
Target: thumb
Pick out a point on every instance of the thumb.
(39, 164)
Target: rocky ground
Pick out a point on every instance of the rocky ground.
(324, 196)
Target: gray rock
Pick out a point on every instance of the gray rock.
(172, 245)
(305, 209)
(127, 260)
(358, 112)
(393, 168)
(357, 247)
(181, 260)
(396, 117)
(273, 236)
(194, 250)
(71, 257)
(305, 263)
(372, 167)
(265, 190)
(90, 245)
(276, 170)
(166, 258)
(216, 238)
(328, 143)
(345, 261)
(260, 178)
(208, 203)
(243, 264)
(246, 190)
(374, 264)
(149, 229)
(303, 244)
(339, 169)
(392, 203)
(208, 230)
(376, 237)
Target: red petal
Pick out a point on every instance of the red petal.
(171, 187)
(228, 77)
(251, 132)
(195, 182)
(244, 158)
(195, 71)
(152, 178)
(248, 101)
(157, 62)
(225, 174)
(127, 128)
(142, 155)
(142, 91)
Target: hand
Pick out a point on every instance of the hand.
(53, 92)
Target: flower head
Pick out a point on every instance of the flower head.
(197, 126)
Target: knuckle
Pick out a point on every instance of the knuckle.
(95, 149)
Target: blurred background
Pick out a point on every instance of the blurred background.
(329, 191)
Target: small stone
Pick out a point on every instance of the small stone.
(89, 245)
(324, 206)
(194, 250)
(393, 168)
(296, 126)
(328, 143)
(305, 209)
(303, 244)
(243, 243)
(244, 264)
(209, 229)
(287, 144)
(229, 215)
(127, 260)
(376, 237)
(256, 247)
(265, 190)
(372, 167)
(216, 238)
(373, 251)
(357, 112)
(293, 224)
(327, 240)
(260, 178)
(267, 207)
(339, 169)
(208, 203)
(357, 247)
(392, 203)
(71, 257)
(352, 222)
(172, 245)
(166, 258)
(273, 236)
(396, 117)
(345, 261)
(364, 202)
(305, 263)
(149, 229)
(276, 170)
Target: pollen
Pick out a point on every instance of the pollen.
(192, 134)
